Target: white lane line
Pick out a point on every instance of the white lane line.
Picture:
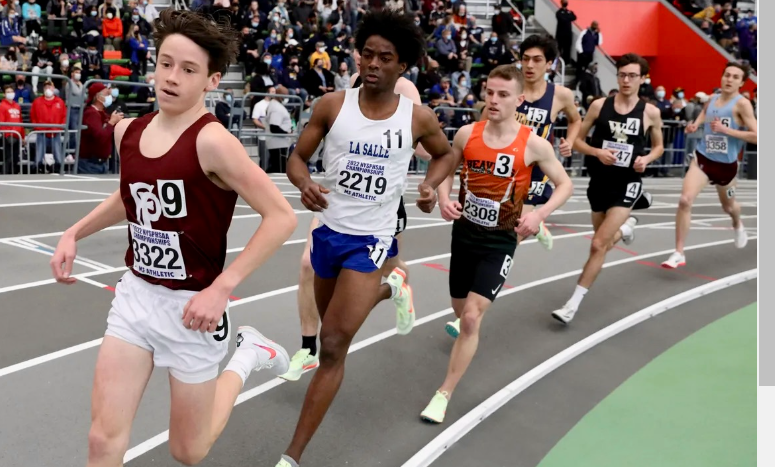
(93, 282)
(56, 180)
(50, 203)
(51, 251)
(68, 190)
(36, 249)
(469, 421)
(28, 285)
(161, 438)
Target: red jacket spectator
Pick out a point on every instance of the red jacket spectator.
(97, 137)
(48, 111)
(11, 112)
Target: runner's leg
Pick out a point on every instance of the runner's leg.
(120, 378)
(602, 241)
(730, 205)
(352, 299)
(694, 181)
(308, 313)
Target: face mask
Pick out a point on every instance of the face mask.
(135, 18)
(114, 93)
(546, 76)
(268, 61)
(660, 94)
(10, 95)
(152, 82)
(92, 51)
(322, 49)
(493, 39)
(48, 93)
(108, 101)
(290, 35)
(648, 80)
(273, 35)
(77, 76)
(275, 18)
(228, 98)
(20, 82)
(680, 95)
(65, 63)
(417, 23)
(470, 102)
(93, 13)
(255, 25)
(110, 15)
(464, 36)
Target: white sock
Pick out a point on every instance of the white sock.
(626, 230)
(242, 362)
(578, 294)
(393, 290)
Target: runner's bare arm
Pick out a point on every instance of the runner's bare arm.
(223, 155)
(580, 144)
(655, 131)
(109, 212)
(541, 152)
(426, 126)
(572, 113)
(458, 144)
(744, 111)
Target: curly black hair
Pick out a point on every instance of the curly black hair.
(396, 27)
(546, 43)
(219, 39)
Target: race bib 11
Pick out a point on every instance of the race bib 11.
(481, 211)
(716, 144)
(363, 180)
(622, 152)
(157, 253)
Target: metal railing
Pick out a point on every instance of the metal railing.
(5, 157)
(258, 131)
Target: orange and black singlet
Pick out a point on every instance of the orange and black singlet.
(493, 186)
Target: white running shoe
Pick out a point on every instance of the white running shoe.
(674, 261)
(248, 338)
(741, 237)
(628, 230)
(565, 314)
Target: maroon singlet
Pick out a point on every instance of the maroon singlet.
(178, 217)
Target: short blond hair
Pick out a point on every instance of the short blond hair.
(509, 73)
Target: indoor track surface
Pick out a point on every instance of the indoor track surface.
(51, 334)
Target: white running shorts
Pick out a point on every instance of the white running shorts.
(151, 317)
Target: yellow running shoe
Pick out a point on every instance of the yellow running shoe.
(544, 237)
(437, 408)
(301, 361)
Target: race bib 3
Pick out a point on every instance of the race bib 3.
(157, 253)
(481, 211)
(623, 152)
(362, 180)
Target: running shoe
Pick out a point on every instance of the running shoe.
(284, 462)
(453, 328)
(741, 237)
(278, 360)
(437, 408)
(544, 237)
(301, 362)
(403, 300)
(628, 230)
(674, 261)
(565, 314)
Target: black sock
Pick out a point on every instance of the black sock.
(311, 343)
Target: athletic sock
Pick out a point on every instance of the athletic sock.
(242, 362)
(393, 290)
(289, 460)
(311, 343)
(626, 230)
(578, 294)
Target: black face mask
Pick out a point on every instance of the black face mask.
(20, 82)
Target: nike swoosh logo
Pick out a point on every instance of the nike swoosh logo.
(272, 352)
(496, 290)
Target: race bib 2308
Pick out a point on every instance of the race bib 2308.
(481, 211)
(157, 253)
(363, 180)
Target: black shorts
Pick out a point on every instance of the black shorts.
(401, 225)
(540, 190)
(604, 195)
(718, 173)
(477, 270)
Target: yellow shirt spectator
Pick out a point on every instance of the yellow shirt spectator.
(320, 53)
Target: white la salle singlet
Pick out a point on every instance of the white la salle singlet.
(366, 165)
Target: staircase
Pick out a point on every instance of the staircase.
(483, 10)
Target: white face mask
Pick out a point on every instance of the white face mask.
(77, 77)
(152, 82)
(648, 80)
(110, 15)
(10, 95)
(65, 63)
(48, 93)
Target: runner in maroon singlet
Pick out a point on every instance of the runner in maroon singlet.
(181, 174)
